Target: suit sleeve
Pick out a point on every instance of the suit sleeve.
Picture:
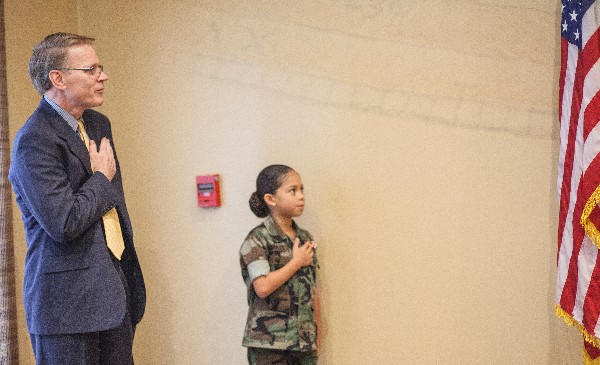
(46, 174)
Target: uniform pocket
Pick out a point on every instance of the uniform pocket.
(279, 255)
(279, 300)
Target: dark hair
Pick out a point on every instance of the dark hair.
(267, 182)
(51, 54)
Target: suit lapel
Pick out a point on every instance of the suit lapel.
(64, 131)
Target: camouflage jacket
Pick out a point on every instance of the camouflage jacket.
(285, 319)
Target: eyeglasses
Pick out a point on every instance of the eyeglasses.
(92, 70)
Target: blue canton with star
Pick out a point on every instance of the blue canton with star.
(572, 16)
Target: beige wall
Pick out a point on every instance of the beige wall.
(426, 136)
(26, 23)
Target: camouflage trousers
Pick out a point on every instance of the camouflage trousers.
(259, 356)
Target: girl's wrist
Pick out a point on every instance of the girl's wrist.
(296, 263)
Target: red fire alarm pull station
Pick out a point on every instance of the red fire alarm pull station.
(209, 191)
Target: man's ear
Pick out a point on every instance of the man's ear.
(56, 77)
(270, 200)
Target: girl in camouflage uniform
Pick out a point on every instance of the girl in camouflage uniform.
(279, 264)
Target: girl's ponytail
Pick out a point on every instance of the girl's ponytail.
(258, 205)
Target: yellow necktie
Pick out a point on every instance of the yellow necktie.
(112, 227)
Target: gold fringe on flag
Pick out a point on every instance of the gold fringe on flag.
(586, 223)
(573, 323)
(587, 360)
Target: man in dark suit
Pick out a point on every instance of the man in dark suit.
(83, 288)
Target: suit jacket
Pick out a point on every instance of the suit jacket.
(70, 283)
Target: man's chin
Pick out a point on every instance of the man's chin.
(98, 102)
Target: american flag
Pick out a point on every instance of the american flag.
(578, 274)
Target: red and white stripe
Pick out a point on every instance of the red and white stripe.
(578, 276)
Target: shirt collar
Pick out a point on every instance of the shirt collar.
(275, 231)
(70, 119)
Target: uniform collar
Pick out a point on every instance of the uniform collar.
(277, 233)
(274, 230)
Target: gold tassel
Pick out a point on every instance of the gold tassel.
(573, 323)
(588, 226)
(587, 360)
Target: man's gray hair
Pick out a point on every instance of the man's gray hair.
(51, 54)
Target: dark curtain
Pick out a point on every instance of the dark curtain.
(9, 353)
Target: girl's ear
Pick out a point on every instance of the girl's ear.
(270, 200)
